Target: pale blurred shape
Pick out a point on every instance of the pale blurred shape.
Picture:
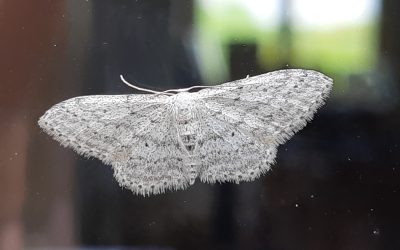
(333, 13)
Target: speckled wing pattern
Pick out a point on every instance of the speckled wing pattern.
(225, 133)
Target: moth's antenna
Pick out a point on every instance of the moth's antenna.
(141, 89)
(187, 89)
(166, 92)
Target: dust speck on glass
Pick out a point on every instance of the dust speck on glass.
(156, 142)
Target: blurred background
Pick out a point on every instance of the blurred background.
(336, 183)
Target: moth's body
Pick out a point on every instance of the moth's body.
(185, 116)
(228, 133)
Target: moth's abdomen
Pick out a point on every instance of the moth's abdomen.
(187, 126)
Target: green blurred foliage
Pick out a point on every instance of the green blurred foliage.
(337, 51)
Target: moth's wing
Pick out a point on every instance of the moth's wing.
(229, 152)
(133, 133)
(274, 105)
(264, 111)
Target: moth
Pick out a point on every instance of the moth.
(167, 140)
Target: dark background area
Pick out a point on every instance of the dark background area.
(336, 183)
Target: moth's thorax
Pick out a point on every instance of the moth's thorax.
(182, 97)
